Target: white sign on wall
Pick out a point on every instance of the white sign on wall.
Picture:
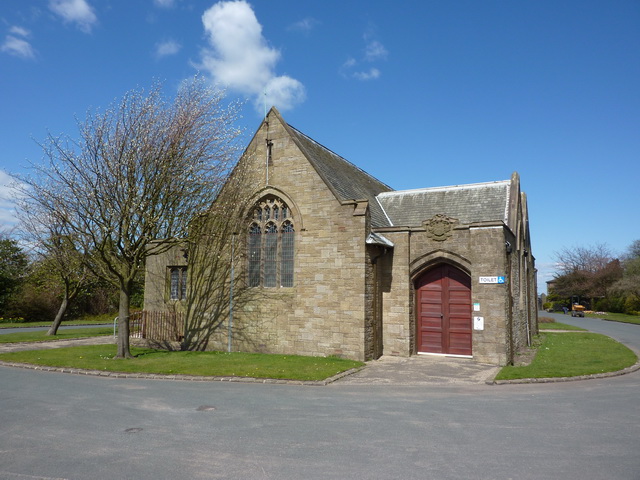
(478, 323)
(492, 279)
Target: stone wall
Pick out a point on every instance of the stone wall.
(397, 304)
(156, 281)
(476, 250)
(326, 310)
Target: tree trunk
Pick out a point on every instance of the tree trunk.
(53, 329)
(123, 323)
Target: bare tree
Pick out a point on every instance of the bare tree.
(587, 271)
(215, 251)
(139, 172)
(584, 259)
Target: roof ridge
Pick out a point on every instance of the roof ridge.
(450, 187)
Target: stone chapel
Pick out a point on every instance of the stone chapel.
(348, 266)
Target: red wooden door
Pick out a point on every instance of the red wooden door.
(444, 311)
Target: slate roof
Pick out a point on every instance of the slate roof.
(347, 181)
(479, 202)
(473, 203)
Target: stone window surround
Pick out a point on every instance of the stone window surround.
(176, 283)
(271, 243)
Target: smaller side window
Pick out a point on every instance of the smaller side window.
(177, 283)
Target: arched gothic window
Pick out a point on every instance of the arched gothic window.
(270, 244)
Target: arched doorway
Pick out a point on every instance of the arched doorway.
(443, 310)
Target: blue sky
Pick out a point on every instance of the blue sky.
(418, 93)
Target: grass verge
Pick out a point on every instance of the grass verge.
(616, 317)
(66, 334)
(571, 355)
(559, 326)
(100, 357)
(106, 318)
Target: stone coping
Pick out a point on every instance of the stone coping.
(276, 381)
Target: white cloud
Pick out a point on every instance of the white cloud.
(18, 47)
(370, 74)
(75, 11)
(305, 25)
(170, 47)
(374, 51)
(239, 57)
(284, 92)
(8, 197)
(23, 32)
(164, 3)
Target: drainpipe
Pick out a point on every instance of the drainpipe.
(233, 245)
(526, 300)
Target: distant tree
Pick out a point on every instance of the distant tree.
(139, 172)
(584, 259)
(633, 251)
(14, 263)
(587, 272)
(71, 267)
(62, 266)
(630, 282)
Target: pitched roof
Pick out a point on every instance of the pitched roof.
(345, 180)
(479, 202)
(473, 203)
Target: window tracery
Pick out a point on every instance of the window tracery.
(270, 244)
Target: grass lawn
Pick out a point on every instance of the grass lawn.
(616, 317)
(573, 354)
(66, 334)
(558, 326)
(100, 357)
(88, 320)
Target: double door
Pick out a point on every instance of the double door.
(444, 311)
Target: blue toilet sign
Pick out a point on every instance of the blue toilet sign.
(496, 279)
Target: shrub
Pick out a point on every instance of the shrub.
(12, 320)
(33, 304)
(632, 305)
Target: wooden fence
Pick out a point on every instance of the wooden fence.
(159, 326)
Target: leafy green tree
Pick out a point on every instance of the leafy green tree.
(14, 264)
(629, 284)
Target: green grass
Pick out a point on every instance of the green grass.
(571, 355)
(616, 317)
(100, 357)
(558, 326)
(66, 334)
(86, 320)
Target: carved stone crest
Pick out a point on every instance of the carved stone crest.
(439, 227)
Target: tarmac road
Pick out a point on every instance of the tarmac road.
(63, 426)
